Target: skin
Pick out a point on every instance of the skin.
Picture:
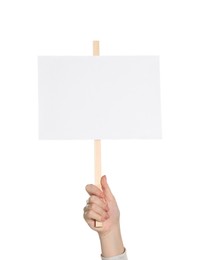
(102, 206)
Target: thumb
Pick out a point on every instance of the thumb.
(106, 189)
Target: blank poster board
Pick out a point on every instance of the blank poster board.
(106, 97)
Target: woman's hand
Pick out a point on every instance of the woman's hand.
(101, 206)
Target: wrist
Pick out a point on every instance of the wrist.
(114, 231)
(111, 242)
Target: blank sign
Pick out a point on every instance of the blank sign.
(114, 97)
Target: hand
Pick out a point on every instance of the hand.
(101, 206)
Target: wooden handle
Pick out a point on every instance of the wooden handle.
(97, 171)
(95, 48)
(97, 162)
(97, 145)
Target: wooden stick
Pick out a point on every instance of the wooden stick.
(95, 48)
(97, 162)
(97, 145)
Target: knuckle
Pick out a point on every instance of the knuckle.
(87, 215)
(89, 207)
(92, 199)
(87, 187)
(90, 213)
(92, 207)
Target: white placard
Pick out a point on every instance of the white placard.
(105, 97)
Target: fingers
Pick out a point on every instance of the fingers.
(97, 204)
(94, 190)
(106, 189)
(93, 212)
(96, 208)
(104, 194)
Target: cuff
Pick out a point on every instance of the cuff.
(118, 257)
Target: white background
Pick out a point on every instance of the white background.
(158, 184)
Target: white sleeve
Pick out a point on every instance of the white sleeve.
(118, 257)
